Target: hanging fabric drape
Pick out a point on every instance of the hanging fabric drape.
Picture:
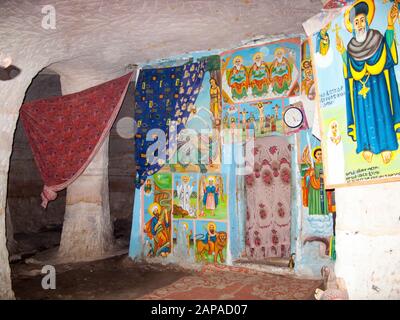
(66, 132)
(268, 191)
(164, 98)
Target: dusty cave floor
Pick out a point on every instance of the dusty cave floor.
(121, 278)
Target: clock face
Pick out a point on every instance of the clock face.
(293, 117)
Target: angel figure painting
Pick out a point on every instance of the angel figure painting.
(213, 197)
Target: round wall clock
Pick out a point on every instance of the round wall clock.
(293, 117)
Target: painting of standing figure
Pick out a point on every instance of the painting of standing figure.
(363, 102)
(213, 197)
(372, 94)
(185, 196)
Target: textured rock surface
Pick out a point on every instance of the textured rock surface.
(24, 181)
(87, 229)
(368, 241)
(106, 36)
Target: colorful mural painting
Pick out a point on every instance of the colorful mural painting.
(307, 73)
(191, 209)
(183, 239)
(185, 196)
(261, 72)
(199, 146)
(360, 110)
(318, 203)
(211, 241)
(213, 197)
(157, 215)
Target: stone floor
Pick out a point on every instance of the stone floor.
(120, 278)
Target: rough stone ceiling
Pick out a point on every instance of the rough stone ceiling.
(107, 35)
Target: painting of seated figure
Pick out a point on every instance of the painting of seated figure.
(211, 241)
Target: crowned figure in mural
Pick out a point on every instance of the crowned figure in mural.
(238, 79)
(314, 193)
(157, 229)
(372, 95)
(184, 191)
(259, 77)
(210, 198)
(281, 72)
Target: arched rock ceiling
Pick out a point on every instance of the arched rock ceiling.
(107, 35)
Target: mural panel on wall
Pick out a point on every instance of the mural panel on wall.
(261, 72)
(211, 241)
(199, 147)
(318, 203)
(307, 73)
(213, 197)
(360, 108)
(185, 196)
(157, 215)
(183, 239)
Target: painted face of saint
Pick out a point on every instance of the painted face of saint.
(213, 83)
(185, 179)
(334, 128)
(238, 62)
(155, 212)
(279, 56)
(211, 229)
(258, 58)
(318, 156)
(360, 27)
(210, 182)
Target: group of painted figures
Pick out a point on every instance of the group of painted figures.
(262, 78)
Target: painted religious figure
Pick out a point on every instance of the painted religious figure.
(238, 79)
(281, 72)
(314, 193)
(334, 143)
(148, 187)
(259, 77)
(183, 238)
(211, 242)
(308, 79)
(215, 99)
(372, 94)
(158, 230)
(323, 40)
(184, 193)
(210, 198)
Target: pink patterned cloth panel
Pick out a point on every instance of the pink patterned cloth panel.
(268, 191)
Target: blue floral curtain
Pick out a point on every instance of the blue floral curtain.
(163, 98)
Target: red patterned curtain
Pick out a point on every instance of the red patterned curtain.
(66, 132)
